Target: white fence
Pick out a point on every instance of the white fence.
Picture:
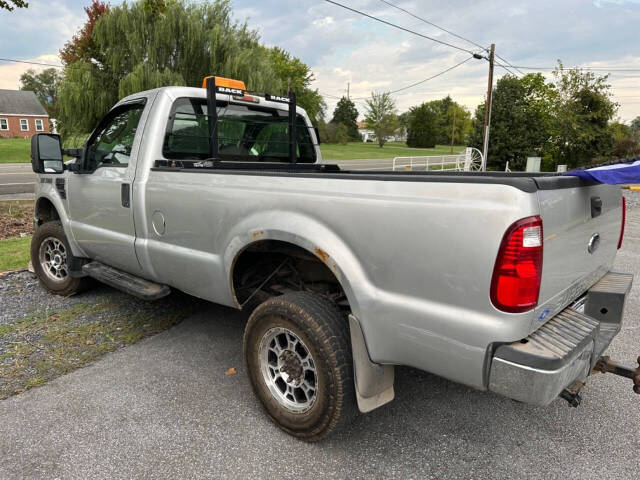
(470, 160)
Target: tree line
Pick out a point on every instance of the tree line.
(567, 120)
(425, 125)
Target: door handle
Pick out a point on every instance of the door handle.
(125, 195)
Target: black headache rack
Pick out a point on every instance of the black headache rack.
(212, 89)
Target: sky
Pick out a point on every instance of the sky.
(347, 50)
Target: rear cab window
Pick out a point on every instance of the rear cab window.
(246, 133)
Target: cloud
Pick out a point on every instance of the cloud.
(371, 56)
(10, 72)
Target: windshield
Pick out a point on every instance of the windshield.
(245, 133)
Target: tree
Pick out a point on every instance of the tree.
(292, 71)
(82, 46)
(11, 4)
(424, 126)
(155, 43)
(635, 126)
(381, 116)
(625, 143)
(45, 86)
(521, 120)
(582, 113)
(347, 114)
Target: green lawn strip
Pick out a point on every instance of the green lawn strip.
(360, 150)
(18, 150)
(14, 253)
(47, 344)
(15, 150)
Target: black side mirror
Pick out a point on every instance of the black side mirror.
(46, 153)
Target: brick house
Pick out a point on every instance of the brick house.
(21, 114)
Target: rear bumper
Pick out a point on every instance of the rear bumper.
(538, 368)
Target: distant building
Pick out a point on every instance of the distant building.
(365, 133)
(369, 136)
(22, 114)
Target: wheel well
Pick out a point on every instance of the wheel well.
(45, 211)
(271, 267)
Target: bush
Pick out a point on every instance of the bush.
(422, 131)
(342, 134)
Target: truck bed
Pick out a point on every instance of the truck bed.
(526, 181)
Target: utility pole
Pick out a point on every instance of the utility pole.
(348, 88)
(453, 128)
(487, 109)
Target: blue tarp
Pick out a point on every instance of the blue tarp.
(611, 174)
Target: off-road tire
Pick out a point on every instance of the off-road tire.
(64, 287)
(322, 327)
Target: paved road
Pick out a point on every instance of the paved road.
(16, 178)
(163, 408)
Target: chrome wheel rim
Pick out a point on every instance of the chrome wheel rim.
(288, 369)
(53, 259)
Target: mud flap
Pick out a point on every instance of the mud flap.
(374, 382)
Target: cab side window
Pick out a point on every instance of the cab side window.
(112, 142)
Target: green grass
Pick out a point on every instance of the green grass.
(18, 150)
(15, 150)
(357, 150)
(14, 253)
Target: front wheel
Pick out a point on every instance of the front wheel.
(297, 351)
(49, 253)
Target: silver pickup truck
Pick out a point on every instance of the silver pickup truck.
(502, 282)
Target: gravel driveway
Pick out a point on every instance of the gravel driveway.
(164, 408)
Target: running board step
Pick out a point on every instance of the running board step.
(136, 286)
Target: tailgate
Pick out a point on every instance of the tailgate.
(575, 215)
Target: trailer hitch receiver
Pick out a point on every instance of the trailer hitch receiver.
(606, 365)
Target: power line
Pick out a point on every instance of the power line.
(507, 62)
(413, 84)
(398, 26)
(595, 69)
(428, 22)
(30, 63)
(502, 66)
(432, 77)
(433, 24)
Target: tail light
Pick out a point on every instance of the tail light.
(515, 285)
(624, 219)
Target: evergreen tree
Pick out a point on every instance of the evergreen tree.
(347, 114)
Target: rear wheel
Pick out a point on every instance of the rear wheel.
(298, 357)
(49, 254)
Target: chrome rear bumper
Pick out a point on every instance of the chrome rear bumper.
(538, 368)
